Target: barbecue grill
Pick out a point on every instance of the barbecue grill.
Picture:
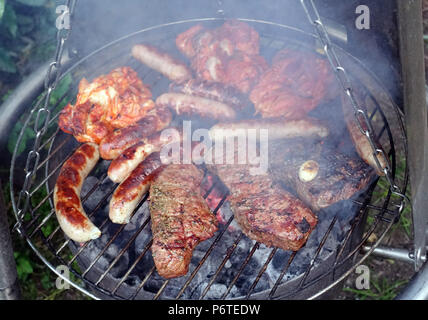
(119, 265)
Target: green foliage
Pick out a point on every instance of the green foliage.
(380, 289)
(6, 62)
(26, 27)
(10, 21)
(23, 265)
(34, 3)
(2, 6)
(29, 134)
(13, 138)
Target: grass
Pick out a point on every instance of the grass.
(390, 275)
(380, 289)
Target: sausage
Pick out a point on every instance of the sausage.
(129, 193)
(162, 62)
(118, 141)
(211, 90)
(278, 128)
(125, 163)
(190, 105)
(361, 142)
(68, 206)
(129, 160)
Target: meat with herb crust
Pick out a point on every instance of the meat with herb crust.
(180, 218)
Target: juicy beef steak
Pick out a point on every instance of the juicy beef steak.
(180, 218)
(319, 175)
(266, 212)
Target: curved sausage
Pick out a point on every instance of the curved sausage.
(118, 141)
(190, 105)
(161, 62)
(129, 193)
(278, 128)
(125, 163)
(68, 206)
(361, 142)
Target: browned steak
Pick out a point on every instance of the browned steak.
(180, 218)
(319, 175)
(266, 212)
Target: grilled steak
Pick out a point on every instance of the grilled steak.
(319, 175)
(265, 211)
(180, 218)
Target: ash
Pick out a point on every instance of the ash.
(95, 251)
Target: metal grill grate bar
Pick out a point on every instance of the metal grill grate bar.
(124, 249)
(262, 270)
(282, 274)
(244, 264)
(125, 276)
(204, 258)
(317, 252)
(230, 251)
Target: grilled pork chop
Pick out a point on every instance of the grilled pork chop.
(180, 218)
(319, 175)
(265, 211)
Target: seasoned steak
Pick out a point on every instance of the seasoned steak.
(180, 218)
(266, 212)
(319, 175)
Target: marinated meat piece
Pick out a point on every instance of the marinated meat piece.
(180, 218)
(228, 54)
(319, 175)
(111, 101)
(265, 211)
(295, 84)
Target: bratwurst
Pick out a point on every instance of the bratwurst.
(193, 105)
(123, 165)
(279, 128)
(68, 206)
(129, 193)
(161, 62)
(118, 141)
(212, 90)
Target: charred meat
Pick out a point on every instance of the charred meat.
(111, 101)
(266, 212)
(319, 175)
(211, 90)
(295, 84)
(180, 218)
(228, 54)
